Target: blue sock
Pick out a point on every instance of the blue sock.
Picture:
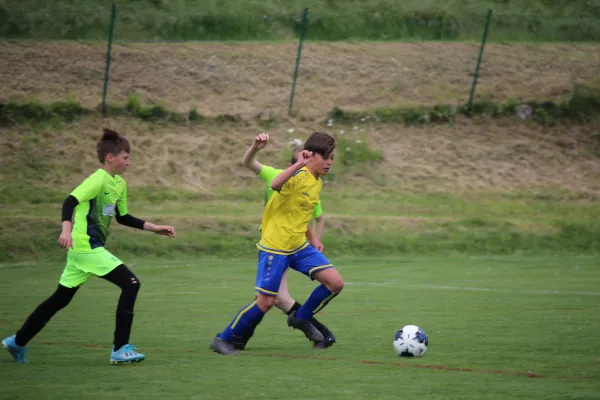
(244, 322)
(317, 300)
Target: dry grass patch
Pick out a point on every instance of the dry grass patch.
(483, 156)
(248, 79)
(468, 156)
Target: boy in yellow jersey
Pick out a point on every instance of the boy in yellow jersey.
(284, 244)
(93, 204)
(284, 301)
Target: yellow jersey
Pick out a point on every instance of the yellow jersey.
(288, 212)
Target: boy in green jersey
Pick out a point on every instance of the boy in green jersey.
(284, 301)
(86, 216)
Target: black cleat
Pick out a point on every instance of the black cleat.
(222, 347)
(239, 344)
(328, 341)
(306, 327)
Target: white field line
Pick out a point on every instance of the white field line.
(186, 263)
(472, 289)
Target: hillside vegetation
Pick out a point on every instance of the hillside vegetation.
(532, 20)
(414, 172)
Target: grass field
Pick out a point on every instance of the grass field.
(499, 327)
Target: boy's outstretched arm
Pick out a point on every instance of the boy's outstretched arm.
(280, 180)
(249, 161)
(133, 222)
(164, 230)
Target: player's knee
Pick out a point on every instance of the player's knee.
(331, 279)
(134, 284)
(336, 285)
(264, 302)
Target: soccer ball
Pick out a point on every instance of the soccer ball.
(411, 341)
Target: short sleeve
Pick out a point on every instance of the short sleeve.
(289, 186)
(318, 210)
(268, 173)
(89, 188)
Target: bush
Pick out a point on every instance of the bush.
(354, 152)
(33, 110)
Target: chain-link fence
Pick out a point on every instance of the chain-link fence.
(179, 65)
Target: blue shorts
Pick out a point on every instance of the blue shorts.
(271, 267)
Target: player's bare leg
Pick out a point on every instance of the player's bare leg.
(284, 301)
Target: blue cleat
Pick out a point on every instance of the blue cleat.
(126, 354)
(16, 351)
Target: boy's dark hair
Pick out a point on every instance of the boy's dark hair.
(111, 143)
(320, 143)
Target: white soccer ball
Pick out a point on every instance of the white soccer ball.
(411, 341)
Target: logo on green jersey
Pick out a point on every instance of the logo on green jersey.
(109, 210)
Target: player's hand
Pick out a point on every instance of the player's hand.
(304, 157)
(260, 141)
(317, 245)
(165, 230)
(65, 240)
